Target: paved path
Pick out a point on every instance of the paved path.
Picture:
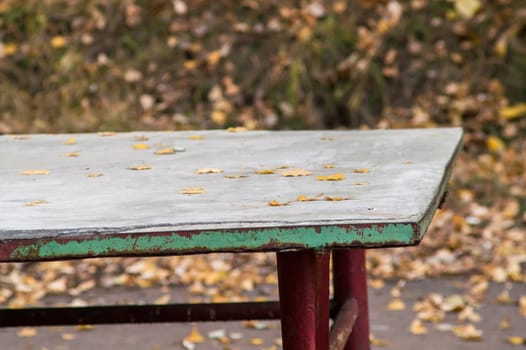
(391, 326)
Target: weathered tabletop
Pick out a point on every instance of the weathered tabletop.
(64, 198)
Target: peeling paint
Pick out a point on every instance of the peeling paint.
(213, 241)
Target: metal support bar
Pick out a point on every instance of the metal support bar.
(343, 324)
(303, 278)
(54, 316)
(350, 281)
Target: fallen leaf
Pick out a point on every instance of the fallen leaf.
(70, 141)
(417, 327)
(208, 171)
(454, 302)
(194, 336)
(85, 327)
(216, 334)
(277, 204)
(27, 332)
(237, 129)
(187, 345)
(196, 137)
(522, 305)
(512, 112)
(71, 154)
(514, 340)
(396, 305)
(257, 324)
(162, 300)
(505, 323)
(192, 190)
(333, 177)
(360, 183)
(166, 150)
(95, 174)
(256, 341)
(265, 171)
(495, 144)
(68, 336)
(336, 198)
(235, 176)
(218, 117)
(35, 172)
(361, 171)
(328, 166)
(378, 342)
(140, 167)
(35, 203)
(141, 138)
(468, 332)
(467, 8)
(302, 198)
(295, 172)
(376, 283)
(107, 133)
(141, 146)
(58, 42)
(408, 162)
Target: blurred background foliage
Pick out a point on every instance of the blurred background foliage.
(75, 66)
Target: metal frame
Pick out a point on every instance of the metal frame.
(304, 307)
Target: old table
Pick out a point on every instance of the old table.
(302, 194)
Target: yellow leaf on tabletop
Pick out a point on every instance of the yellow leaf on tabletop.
(70, 141)
(141, 146)
(208, 171)
(194, 336)
(512, 112)
(302, 198)
(265, 171)
(192, 190)
(71, 154)
(328, 166)
(35, 203)
(235, 176)
(295, 172)
(166, 150)
(360, 183)
(196, 137)
(333, 177)
(277, 204)
(35, 172)
(335, 198)
(361, 171)
(140, 167)
(27, 332)
(95, 174)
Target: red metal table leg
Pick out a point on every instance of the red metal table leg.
(350, 281)
(303, 278)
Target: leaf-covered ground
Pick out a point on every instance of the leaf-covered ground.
(156, 65)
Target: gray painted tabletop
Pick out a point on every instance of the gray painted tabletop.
(52, 188)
